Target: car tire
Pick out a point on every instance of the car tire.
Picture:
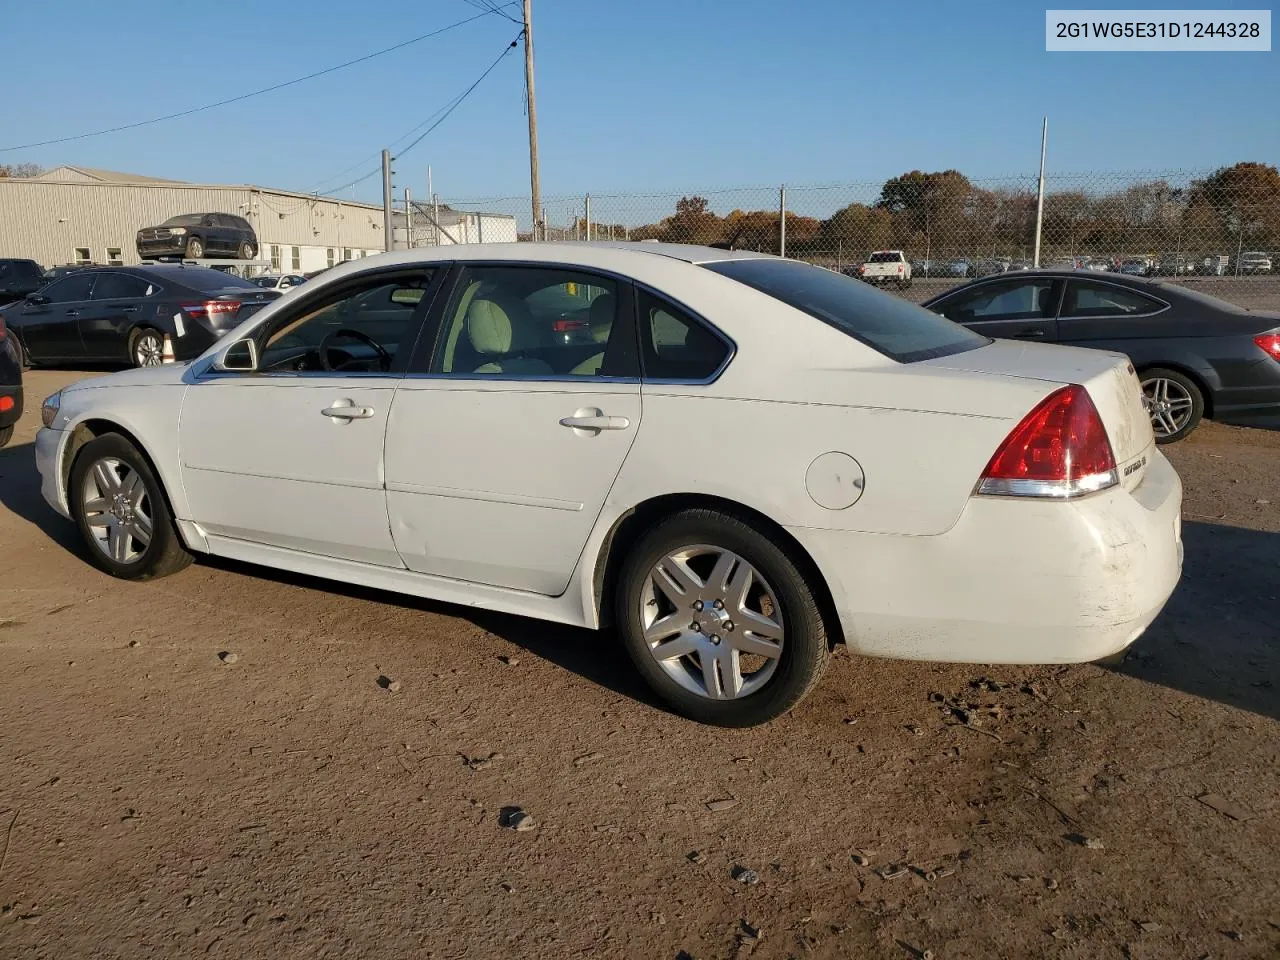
(776, 595)
(1181, 393)
(146, 347)
(195, 249)
(125, 546)
(247, 251)
(24, 356)
(6, 434)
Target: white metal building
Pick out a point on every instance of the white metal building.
(82, 215)
(435, 224)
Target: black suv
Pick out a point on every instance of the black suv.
(18, 278)
(197, 235)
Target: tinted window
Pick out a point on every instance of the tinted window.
(1087, 299)
(206, 280)
(71, 288)
(269, 282)
(117, 286)
(884, 257)
(534, 322)
(1016, 300)
(240, 223)
(674, 346)
(900, 330)
(19, 269)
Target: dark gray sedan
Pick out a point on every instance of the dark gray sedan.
(1196, 355)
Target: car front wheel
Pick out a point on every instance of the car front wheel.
(719, 619)
(1173, 401)
(121, 512)
(195, 249)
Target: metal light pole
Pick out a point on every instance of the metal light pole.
(1044, 142)
(534, 179)
(587, 211)
(387, 235)
(782, 221)
(408, 219)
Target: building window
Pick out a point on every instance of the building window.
(275, 257)
(113, 257)
(329, 256)
(346, 254)
(82, 255)
(296, 255)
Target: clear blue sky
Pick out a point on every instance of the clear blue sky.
(632, 96)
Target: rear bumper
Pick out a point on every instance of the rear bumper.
(14, 413)
(1013, 581)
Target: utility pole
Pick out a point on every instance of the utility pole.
(435, 214)
(387, 235)
(408, 219)
(534, 180)
(782, 221)
(1044, 142)
(587, 210)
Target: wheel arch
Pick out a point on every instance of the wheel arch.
(90, 429)
(1192, 374)
(631, 525)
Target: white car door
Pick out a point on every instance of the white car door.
(290, 455)
(502, 449)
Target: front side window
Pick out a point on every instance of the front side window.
(1010, 300)
(674, 346)
(1085, 298)
(533, 322)
(358, 330)
(900, 330)
(70, 289)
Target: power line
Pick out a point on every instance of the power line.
(453, 105)
(256, 93)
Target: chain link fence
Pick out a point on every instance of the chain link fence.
(1218, 230)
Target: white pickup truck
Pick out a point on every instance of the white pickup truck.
(886, 266)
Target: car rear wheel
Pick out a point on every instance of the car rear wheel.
(1173, 401)
(719, 620)
(195, 249)
(247, 251)
(146, 347)
(121, 511)
(6, 434)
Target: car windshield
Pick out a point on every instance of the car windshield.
(266, 281)
(186, 220)
(900, 330)
(884, 256)
(208, 281)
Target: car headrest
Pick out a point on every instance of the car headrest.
(498, 326)
(603, 310)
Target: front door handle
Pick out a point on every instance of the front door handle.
(128, 309)
(73, 313)
(346, 410)
(594, 420)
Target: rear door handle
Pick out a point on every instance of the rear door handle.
(128, 309)
(595, 420)
(73, 313)
(346, 410)
(1029, 332)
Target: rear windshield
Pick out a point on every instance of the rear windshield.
(186, 220)
(885, 257)
(900, 330)
(207, 281)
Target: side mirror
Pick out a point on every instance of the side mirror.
(37, 300)
(239, 357)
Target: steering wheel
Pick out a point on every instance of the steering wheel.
(383, 357)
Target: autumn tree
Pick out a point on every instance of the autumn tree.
(692, 223)
(20, 170)
(1245, 198)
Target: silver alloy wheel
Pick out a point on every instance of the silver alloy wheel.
(117, 509)
(1168, 404)
(712, 622)
(149, 350)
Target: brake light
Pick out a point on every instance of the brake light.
(210, 308)
(1269, 342)
(899, 268)
(564, 326)
(1059, 450)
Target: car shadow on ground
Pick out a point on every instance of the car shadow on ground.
(1216, 639)
(1219, 635)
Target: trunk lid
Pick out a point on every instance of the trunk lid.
(251, 301)
(1109, 377)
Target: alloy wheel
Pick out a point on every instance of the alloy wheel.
(1168, 404)
(117, 509)
(148, 351)
(712, 622)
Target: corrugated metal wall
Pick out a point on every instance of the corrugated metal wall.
(48, 221)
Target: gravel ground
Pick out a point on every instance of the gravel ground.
(339, 786)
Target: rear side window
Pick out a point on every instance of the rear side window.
(120, 286)
(1087, 299)
(207, 281)
(900, 330)
(675, 346)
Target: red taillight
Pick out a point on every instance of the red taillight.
(210, 308)
(899, 268)
(1269, 342)
(564, 326)
(1060, 449)
(6, 404)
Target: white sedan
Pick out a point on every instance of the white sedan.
(736, 460)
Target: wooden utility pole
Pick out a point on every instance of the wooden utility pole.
(534, 181)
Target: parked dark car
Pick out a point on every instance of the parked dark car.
(10, 384)
(1196, 355)
(197, 235)
(19, 278)
(123, 314)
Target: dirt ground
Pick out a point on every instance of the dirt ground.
(159, 802)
